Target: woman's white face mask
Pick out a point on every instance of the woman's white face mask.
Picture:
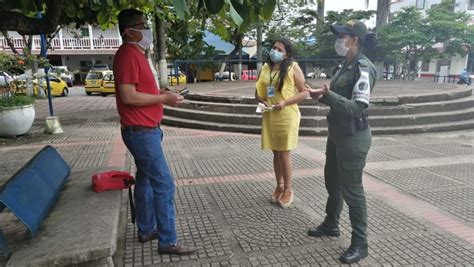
(340, 47)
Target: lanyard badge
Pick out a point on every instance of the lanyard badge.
(270, 87)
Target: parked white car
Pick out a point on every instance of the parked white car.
(64, 74)
(225, 76)
(5, 79)
(313, 75)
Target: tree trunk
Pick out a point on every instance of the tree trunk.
(320, 11)
(239, 73)
(383, 9)
(259, 46)
(15, 21)
(10, 43)
(160, 51)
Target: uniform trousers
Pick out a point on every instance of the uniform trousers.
(345, 160)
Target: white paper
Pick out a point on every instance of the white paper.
(262, 108)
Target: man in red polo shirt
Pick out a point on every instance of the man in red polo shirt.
(140, 106)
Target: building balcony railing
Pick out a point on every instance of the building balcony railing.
(66, 44)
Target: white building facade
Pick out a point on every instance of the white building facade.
(76, 48)
(455, 64)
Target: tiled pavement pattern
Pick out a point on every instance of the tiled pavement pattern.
(85, 144)
(225, 180)
(224, 183)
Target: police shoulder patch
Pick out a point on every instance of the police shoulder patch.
(361, 90)
(363, 86)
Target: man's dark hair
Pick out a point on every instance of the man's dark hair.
(127, 18)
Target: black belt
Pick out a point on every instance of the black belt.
(135, 128)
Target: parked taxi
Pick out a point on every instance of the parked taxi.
(179, 79)
(108, 84)
(94, 81)
(58, 86)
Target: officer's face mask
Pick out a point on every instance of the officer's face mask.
(147, 38)
(340, 46)
(276, 56)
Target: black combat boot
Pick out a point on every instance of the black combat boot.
(323, 230)
(354, 253)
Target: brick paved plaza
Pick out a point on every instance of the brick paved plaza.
(420, 193)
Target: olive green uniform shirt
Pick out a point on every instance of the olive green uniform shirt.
(347, 98)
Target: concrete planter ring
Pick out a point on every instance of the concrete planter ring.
(16, 120)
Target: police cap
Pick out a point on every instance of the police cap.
(352, 27)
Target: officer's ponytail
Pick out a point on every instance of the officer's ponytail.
(370, 41)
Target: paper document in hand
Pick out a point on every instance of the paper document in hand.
(262, 108)
(181, 91)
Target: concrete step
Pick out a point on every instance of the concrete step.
(314, 109)
(435, 127)
(426, 107)
(209, 125)
(256, 129)
(402, 115)
(80, 229)
(421, 118)
(320, 121)
(416, 97)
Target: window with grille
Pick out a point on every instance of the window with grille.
(85, 32)
(425, 66)
(420, 4)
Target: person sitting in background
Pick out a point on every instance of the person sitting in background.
(464, 78)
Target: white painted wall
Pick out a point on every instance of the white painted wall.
(460, 5)
(68, 32)
(458, 64)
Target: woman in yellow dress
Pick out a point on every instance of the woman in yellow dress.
(281, 86)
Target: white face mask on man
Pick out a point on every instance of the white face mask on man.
(147, 38)
(340, 47)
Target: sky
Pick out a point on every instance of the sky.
(339, 5)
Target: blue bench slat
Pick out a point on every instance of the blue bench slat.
(31, 192)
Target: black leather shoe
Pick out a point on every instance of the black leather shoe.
(354, 253)
(148, 237)
(178, 249)
(323, 230)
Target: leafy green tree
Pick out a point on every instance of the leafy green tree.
(21, 16)
(411, 36)
(311, 34)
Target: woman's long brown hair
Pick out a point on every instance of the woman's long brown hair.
(285, 63)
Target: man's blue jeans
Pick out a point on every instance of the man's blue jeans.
(154, 185)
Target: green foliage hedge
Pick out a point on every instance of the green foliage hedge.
(15, 101)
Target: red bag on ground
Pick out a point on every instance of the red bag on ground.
(115, 180)
(112, 180)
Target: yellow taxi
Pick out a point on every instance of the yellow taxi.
(179, 79)
(108, 84)
(58, 86)
(94, 81)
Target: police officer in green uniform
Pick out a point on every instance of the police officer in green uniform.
(349, 137)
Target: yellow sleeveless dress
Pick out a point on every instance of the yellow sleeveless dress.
(279, 127)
